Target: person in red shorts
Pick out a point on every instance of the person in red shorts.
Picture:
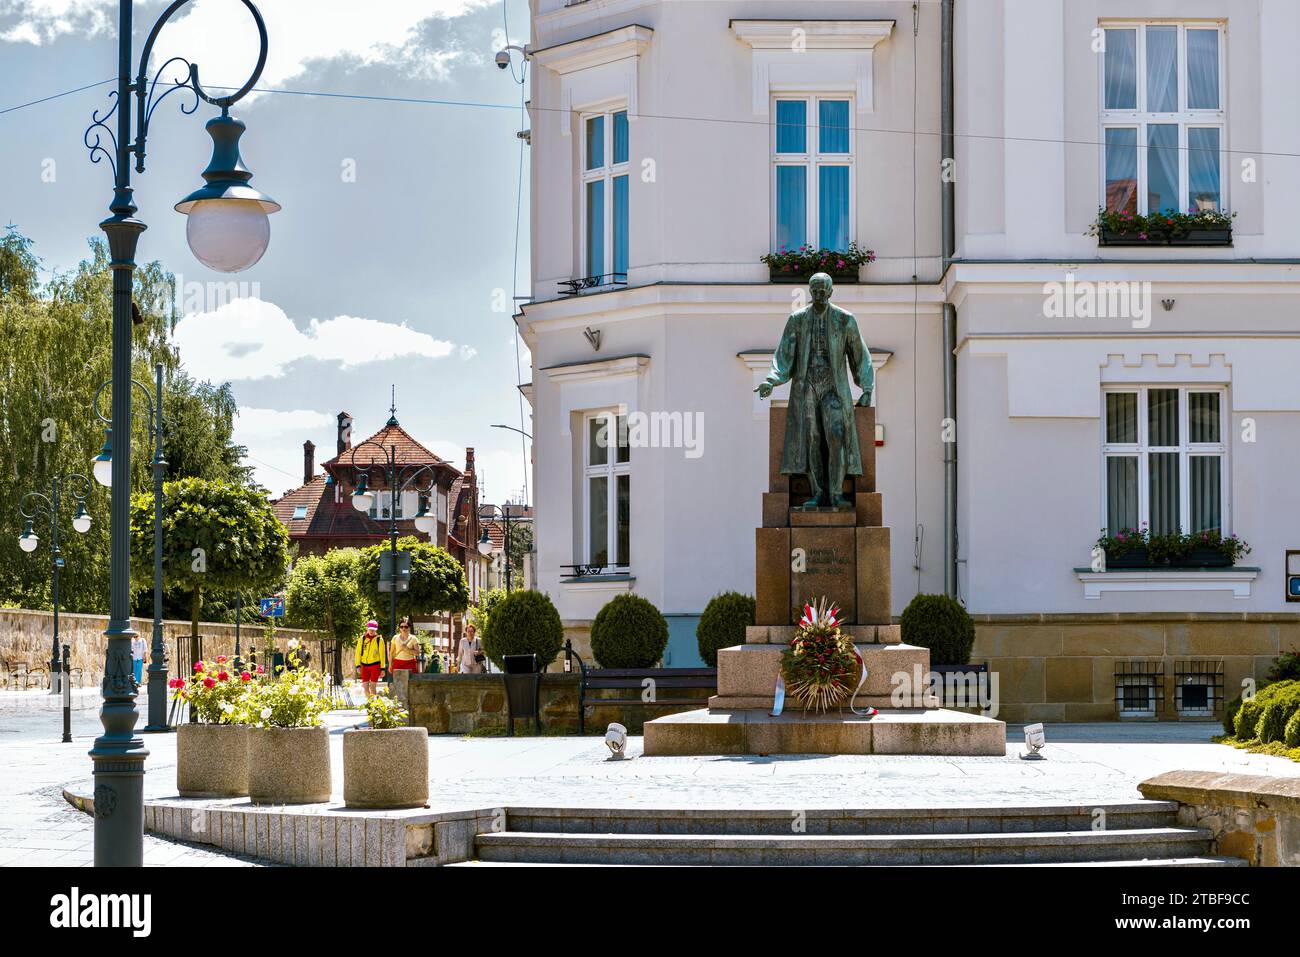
(371, 658)
(405, 651)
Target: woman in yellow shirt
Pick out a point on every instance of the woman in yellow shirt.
(370, 658)
(405, 650)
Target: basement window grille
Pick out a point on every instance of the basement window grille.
(1198, 688)
(1139, 688)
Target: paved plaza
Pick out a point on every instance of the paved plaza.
(1093, 762)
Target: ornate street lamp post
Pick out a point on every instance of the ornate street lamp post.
(38, 505)
(485, 543)
(227, 229)
(398, 479)
(103, 472)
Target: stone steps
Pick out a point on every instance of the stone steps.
(1045, 847)
(1140, 833)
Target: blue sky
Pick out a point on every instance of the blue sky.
(397, 232)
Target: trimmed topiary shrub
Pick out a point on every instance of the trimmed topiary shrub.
(1291, 736)
(628, 632)
(523, 623)
(1253, 708)
(723, 624)
(1230, 715)
(1273, 719)
(940, 623)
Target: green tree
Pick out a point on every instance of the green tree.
(55, 351)
(216, 537)
(518, 545)
(437, 582)
(483, 608)
(323, 596)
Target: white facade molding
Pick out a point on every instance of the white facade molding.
(1235, 580)
(1060, 376)
(597, 70)
(801, 56)
(601, 384)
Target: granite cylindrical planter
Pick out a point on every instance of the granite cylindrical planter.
(386, 768)
(212, 760)
(288, 765)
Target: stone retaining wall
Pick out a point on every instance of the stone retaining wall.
(460, 704)
(1062, 667)
(25, 637)
(1254, 817)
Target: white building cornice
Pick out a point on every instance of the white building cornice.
(811, 56)
(613, 368)
(597, 70)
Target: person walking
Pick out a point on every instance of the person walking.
(137, 657)
(470, 659)
(371, 658)
(405, 650)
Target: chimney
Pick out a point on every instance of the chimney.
(345, 432)
(308, 461)
(469, 461)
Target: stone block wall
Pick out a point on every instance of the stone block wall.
(25, 636)
(460, 704)
(1062, 667)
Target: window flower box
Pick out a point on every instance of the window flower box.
(1205, 557)
(1205, 227)
(1134, 558)
(800, 265)
(1131, 548)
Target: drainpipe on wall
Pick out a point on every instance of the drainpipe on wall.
(949, 205)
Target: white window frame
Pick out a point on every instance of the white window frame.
(1186, 449)
(379, 507)
(610, 471)
(299, 513)
(606, 173)
(1137, 681)
(1185, 118)
(812, 159)
(1206, 681)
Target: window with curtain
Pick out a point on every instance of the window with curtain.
(1165, 451)
(607, 491)
(812, 172)
(1163, 118)
(604, 196)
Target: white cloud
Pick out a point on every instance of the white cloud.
(467, 353)
(254, 339)
(221, 38)
(254, 423)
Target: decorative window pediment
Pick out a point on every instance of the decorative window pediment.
(597, 70)
(812, 55)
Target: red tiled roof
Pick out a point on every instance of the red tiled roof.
(327, 519)
(408, 451)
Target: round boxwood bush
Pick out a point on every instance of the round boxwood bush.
(524, 623)
(1291, 736)
(940, 623)
(1252, 709)
(1273, 719)
(629, 632)
(1285, 667)
(723, 624)
(1230, 716)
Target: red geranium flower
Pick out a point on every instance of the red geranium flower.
(223, 676)
(221, 659)
(209, 683)
(198, 666)
(245, 676)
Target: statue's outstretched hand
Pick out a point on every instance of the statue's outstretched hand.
(764, 390)
(864, 400)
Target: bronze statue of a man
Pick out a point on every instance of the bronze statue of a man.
(820, 438)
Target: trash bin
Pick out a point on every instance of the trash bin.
(523, 690)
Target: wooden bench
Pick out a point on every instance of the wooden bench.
(22, 672)
(640, 681)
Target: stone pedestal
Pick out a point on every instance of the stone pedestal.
(801, 555)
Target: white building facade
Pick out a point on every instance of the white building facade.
(674, 144)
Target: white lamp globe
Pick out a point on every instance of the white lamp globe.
(81, 523)
(426, 523)
(362, 500)
(484, 545)
(103, 471)
(28, 542)
(228, 235)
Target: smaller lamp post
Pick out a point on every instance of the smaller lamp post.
(102, 469)
(39, 506)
